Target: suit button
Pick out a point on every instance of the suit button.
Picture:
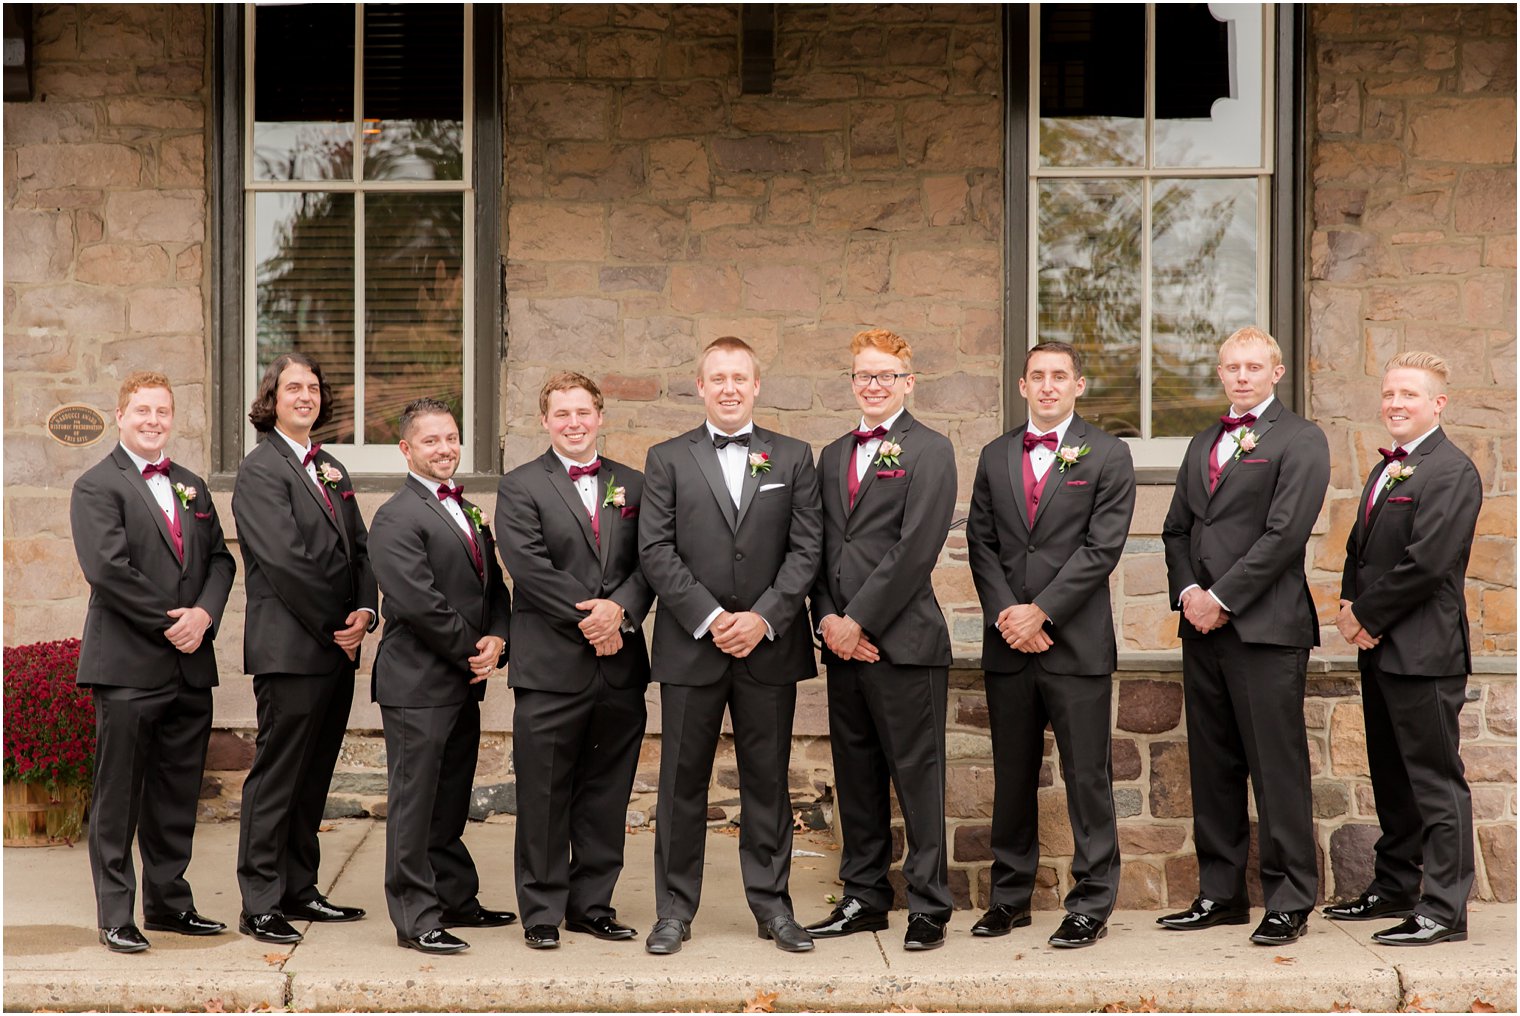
(1208, 521)
(847, 539)
(739, 556)
(1031, 548)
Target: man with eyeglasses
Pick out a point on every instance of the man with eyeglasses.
(888, 495)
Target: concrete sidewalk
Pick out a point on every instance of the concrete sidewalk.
(52, 959)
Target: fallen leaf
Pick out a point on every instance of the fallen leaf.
(325, 828)
(1285, 960)
(426, 968)
(1148, 1005)
(261, 1007)
(1481, 1006)
(215, 1005)
(1415, 1004)
(1343, 1007)
(275, 959)
(899, 1007)
(764, 1001)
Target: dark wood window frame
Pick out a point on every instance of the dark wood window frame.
(1286, 258)
(227, 231)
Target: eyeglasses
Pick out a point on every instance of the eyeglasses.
(886, 380)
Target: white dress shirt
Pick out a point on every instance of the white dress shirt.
(732, 459)
(1042, 458)
(158, 484)
(865, 453)
(1388, 466)
(585, 486)
(1224, 451)
(449, 504)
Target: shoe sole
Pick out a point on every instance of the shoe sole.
(1460, 936)
(669, 951)
(765, 934)
(541, 945)
(1022, 922)
(1389, 915)
(326, 920)
(271, 939)
(922, 946)
(472, 924)
(124, 950)
(871, 926)
(1223, 922)
(1066, 943)
(446, 951)
(181, 931)
(1265, 940)
(581, 929)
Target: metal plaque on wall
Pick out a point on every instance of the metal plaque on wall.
(76, 426)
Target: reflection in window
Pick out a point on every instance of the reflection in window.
(303, 92)
(413, 94)
(1208, 85)
(1092, 84)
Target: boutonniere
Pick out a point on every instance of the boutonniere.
(616, 497)
(1069, 454)
(887, 454)
(1245, 443)
(759, 462)
(185, 494)
(1398, 474)
(329, 474)
(477, 518)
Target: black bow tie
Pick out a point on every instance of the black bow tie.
(721, 441)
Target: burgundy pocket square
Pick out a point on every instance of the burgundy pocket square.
(203, 515)
(347, 495)
(890, 474)
(630, 511)
(1256, 460)
(1401, 500)
(1076, 483)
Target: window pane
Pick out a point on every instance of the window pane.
(303, 92)
(413, 91)
(1208, 84)
(304, 298)
(1092, 84)
(413, 306)
(1204, 286)
(1089, 290)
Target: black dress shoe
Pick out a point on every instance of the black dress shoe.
(435, 943)
(481, 918)
(1417, 929)
(851, 915)
(1280, 927)
(1367, 907)
(321, 911)
(604, 928)
(1205, 914)
(925, 932)
(788, 935)
(186, 922)
(666, 936)
(268, 928)
(125, 939)
(1000, 919)
(1077, 931)
(541, 936)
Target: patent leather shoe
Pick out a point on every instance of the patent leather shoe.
(604, 928)
(1205, 914)
(1077, 931)
(541, 936)
(1367, 907)
(849, 916)
(1417, 929)
(321, 911)
(481, 918)
(435, 943)
(1000, 919)
(666, 936)
(1280, 927)
(123, 939)
(268, 928)
(925, 932)
(186, 922)
(788, 935)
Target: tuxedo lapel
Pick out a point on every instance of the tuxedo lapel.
(186, 518)
(559, 479)
(847, 448)
(607, 517)
(1364, 518)
(134, 479)
(707, 460)
(430, 498)
(1013, 461)
(1415, 457)
(1260, 428)
(758, 445)
(898, 432)
(305, 481)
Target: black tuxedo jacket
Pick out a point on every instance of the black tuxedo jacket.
(1405, 571)
(878, 557)
(1062, 563)
(122, 540)
(1246, 540)
(306, 571)
(700, 553)
(436, 605)
(555, 562)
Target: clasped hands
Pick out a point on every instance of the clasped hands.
(1203, 611)
(1022, 626)
(189, 627)
(1351, 629)
(737, 634)
(603, 626)
(847, 640)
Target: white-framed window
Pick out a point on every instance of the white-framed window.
(1150, 184)
(359, 211)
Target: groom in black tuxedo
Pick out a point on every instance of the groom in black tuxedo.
(730, 540)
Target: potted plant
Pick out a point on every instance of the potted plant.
(49, 744)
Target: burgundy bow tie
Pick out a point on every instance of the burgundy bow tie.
(1393, 454)
(445, 492)
(576, 472)
(306, 459)
(1233, 422)
(862, 436)
(1031, 442)
(160, 468)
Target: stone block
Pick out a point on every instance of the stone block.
(705, 215)
(678, 169)
(1351, 859)
(871, 204)
(1492, 561)
(1128, 802)
(1141, 886)
(1171, 786)
(560, 110)
(701, 288)
(958, 393)
(182, 161)
(630, 388)
(493, 799)
(971, 711)
(165, 309)
(553, 232)
(543, 330)
(39, 245)
(157, 216)
(359, 784)
(639, 232)
(344, 807)
(103, 166)
(781, 288)
(1144, 574)
(592, 171)
(1488, 65)
(1487, 763)
(227, 750)
(1467, 130)
(1489, 298)
(625, 278)
(78, 310)
(790, 202)
(1491, 802)
(623, 55)
(1442, 258)
(1413, 301)
(1125, 756)
(943, 137)
(1498, 845)
(672, 110)
(1357, 164)
(1356, 57)
(1181, 880)
(157, 112)
(1150, 839)
(1055, 829)
(1485, 201)
(1339, 106)
(1330, 800)
(1149, 707)
(775, 153)
(973, 843)
(1348, 741)
(873, 140)
(968, 791)
(1499, 709)
(1149, 626)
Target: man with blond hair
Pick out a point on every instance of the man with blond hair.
(888, 491)
(150, 546)
(1247, 495)
(1403, 607)
(729, 539)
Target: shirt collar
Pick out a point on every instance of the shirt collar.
(300, 450)
(1256, 411)
(430, 485)
(567, 463)
(1412, 445)
(137, 460)
(715, 432)
(1059, 430)
(888, 423)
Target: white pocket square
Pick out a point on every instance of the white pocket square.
(770, 486)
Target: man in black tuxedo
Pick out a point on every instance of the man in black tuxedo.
(579, 670)
(1404, 608)
(446, 610)
(1247, 495)
(729, 539)
(311, 598)
(1050, 511)
(888, 496)
(150, 546)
